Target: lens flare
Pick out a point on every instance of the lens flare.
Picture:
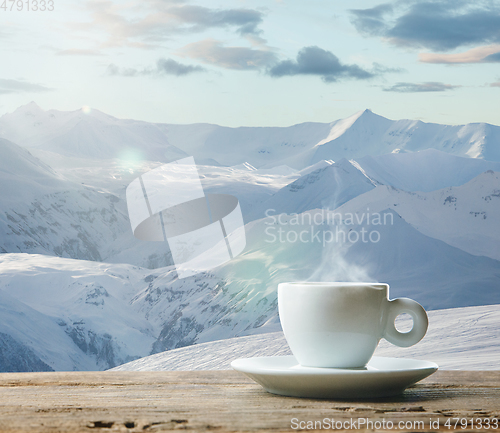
(131, 159)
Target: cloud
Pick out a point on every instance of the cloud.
(115, 70)
(316, 61)
(439, 25)
(378, 69)
(490, 53)
(430, 86)
(163, 67)
(171, 67)
(157, 21)
(201, 18)
(213, 52)
(497, 84)
(371, 21)
(16, 86)
(78, 52)
(492, 58)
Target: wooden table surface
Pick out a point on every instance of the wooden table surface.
(229, 401)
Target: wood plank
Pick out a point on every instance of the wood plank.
(220, 400)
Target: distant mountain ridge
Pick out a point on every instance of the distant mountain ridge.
(97, 135)
(367, 133)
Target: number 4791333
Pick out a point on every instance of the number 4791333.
(27, 5)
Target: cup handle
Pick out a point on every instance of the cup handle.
(420, 322)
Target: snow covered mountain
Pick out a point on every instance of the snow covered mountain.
(35, 341)
(93, 134)
(86, 134)
(73, 314)
(42, 212)
(324, 188)
(465, 216)
(367, 133)
(103, 314)
(24, 177)
(47, 212)
(75, 288)
(425, 170)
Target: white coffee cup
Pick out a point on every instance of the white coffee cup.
(340, 324)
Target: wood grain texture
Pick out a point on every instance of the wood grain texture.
(221, 401)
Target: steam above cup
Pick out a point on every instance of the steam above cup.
(340, 324)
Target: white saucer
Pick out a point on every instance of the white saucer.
(382, 377)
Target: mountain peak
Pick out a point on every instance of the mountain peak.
(365, 115)
(29, 106)
(366, 112)
(30, 109)
(352, 119)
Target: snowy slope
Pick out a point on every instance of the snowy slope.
(15, 356)
(324, 188)
(457, 339)
(73, 314)
(24, 177)
(27, 328)
(41, 212)
(425, 170)
(426, 269)
(465, 216)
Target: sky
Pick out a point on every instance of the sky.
(254, 63)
